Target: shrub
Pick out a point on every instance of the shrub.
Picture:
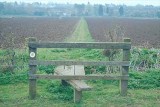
(7, 55)
(143, 59)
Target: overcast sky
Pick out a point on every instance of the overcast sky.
(127, 2)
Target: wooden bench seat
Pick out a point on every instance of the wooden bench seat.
(79, 85)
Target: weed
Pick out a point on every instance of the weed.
(143, 59)
(95, 69)
(60, 91)
(47, 69)
(144, 80)
(10, 78)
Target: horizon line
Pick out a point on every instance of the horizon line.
(50, 2)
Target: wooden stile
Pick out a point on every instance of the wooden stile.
(33, 62)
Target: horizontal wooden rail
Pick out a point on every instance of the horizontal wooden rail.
(78, 77)
(98, 63)
(90, 45)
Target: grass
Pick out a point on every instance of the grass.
(70, 54)
(81, 33)
(14, 93)
(103, 95)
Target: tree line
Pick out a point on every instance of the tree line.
(53, 9)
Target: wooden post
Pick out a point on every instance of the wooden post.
(125, 69)
(63, 82)
(32, 70)
(77, 96)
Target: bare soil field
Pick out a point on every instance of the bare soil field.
(15, 30)
(143, 32)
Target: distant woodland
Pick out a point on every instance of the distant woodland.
(67, 10)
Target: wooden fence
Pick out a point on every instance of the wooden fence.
(33, 62)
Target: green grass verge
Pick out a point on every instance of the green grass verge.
(103, 95)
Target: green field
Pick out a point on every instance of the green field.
(144, 88)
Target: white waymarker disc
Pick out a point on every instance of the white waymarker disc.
(32, 54)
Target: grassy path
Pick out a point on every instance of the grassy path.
(81, 33)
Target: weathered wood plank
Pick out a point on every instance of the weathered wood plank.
(79, 85)
(87, 63)
(90, 45)
(70, 70)
(79, 77)
(125, 70)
